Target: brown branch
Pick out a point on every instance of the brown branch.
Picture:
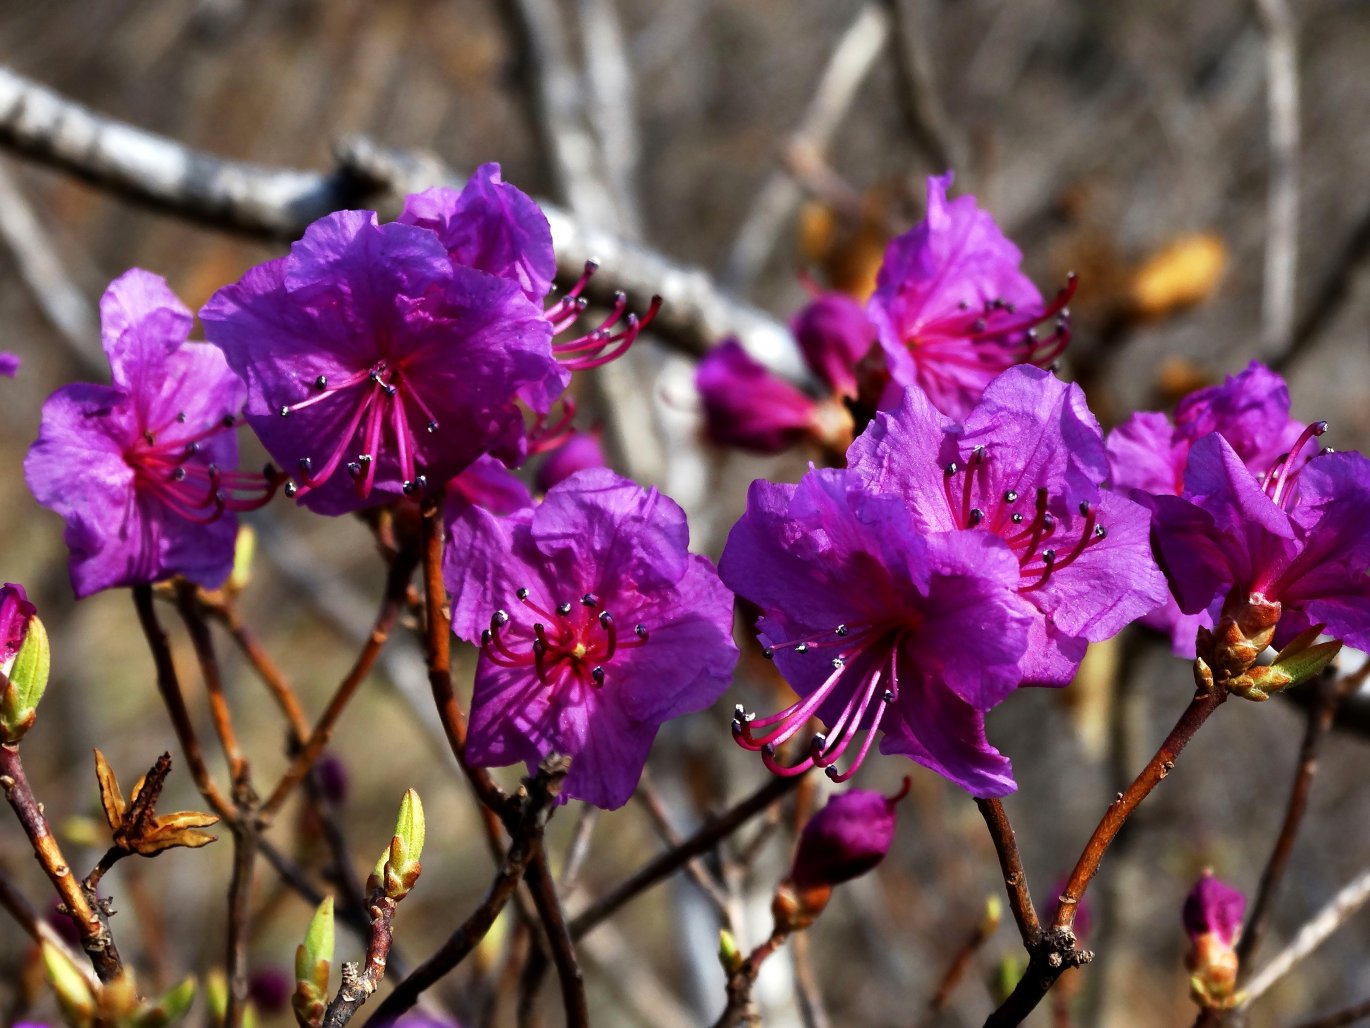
(188, 604)
(739, 1009)
(1320, 716)
(559, 938)
(1347, 1015)
(226, 610)
(278, 203)
(169, 685)
(1011, 864)
(699, 874)
(537, 802)
(358, 985)
(960, 962)
(85, 914)
(392, 603)
(12, 901)
(239, 895)
(703, 840)
(1054, 951)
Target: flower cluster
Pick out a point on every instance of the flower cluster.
(951, 310)
(950, 563)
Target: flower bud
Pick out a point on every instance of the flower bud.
(844, 840)
(1212, 918)
(398, 867)
(75, 992)
(313, 958)
(25, 660)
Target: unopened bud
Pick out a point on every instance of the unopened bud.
(1230, 650)
(1212, 918)
(728, 953)
(25, 661)
(1302, 659)
(75, 993)
(401, 866)
(313, 958)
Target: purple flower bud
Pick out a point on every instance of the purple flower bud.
(748, 407)
(1213, 908)
(833, 333)
(580, 451)
(15, 614)
(847, 838)
(9, 365)
(270, 989)
(333, 778)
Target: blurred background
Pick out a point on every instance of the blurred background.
(761, 141)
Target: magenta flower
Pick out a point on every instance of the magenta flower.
(847, 838)
(137, 468)
(1299, 538)
(487, 483)
(596, 626)
(579, 451)
(879, 627)
(748, 406)
(1147, 456)
(1025, 467)
(374, 364)
(1212, 917)
(951, 308)
(9, 365)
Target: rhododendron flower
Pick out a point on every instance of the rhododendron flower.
(1025, 467)
(596, 627)
(879, 627)
(488, 483)
(953, 310)
(1300, 538)
(748, 406)
(374, 364)
(1148, 456)
(16, 611)
(137, 468)
(849, 836)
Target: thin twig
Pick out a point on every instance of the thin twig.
(1320, 716)
(279, 203)
(1055, 952)
(239, 918)
(392, 603)
(836, 90)
(1011, 864)
(739, 1008)
(13, 902)
(1282, 198)
(811, 1009)
(1312, 935)
(694, 867)
(188, 604)
(919, 101)
(272, 676)
(537, 805)
(544, 889)
(169, 685)
(1346, 1015)
(579, 848)
(89, 919)
(706, 838)
(960, 963)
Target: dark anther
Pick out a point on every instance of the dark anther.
(1010, 496)
(485, 637)
(767, 652)
(1084, 507)
(952, 468)
(291, 489)
(179, 475)
(590, 600)
(563, 609)
(321, 383)
(192, 449)
(838, 662)
(432, 426)
(499, 618)
(305, 464)
(605, 618)
(597, 673)
(978, 325)
(1100, 532)
(522, 594)
(389, 389)
(1017, 519)
(841, 630)
(802, 648)
(284, 411)
(976, 516)
(181, 417)
(1048, 556)
(354, 469)
(365, 458)
(640, 631)
(409, 488)
(229, 421)
(421, 482)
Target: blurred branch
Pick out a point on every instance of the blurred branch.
(838, 86)
(278, 203)
(1312, 935)
(1327, 696)
(1282, 198)
(917, 95)
(560, 941)
(1347, 1015)
(1011, 864)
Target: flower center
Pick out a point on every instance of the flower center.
(171, 468)
(571, 639)
(380, 397)
(864, 669)
(1036, 536)
(1000, 335)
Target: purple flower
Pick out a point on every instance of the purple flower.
(9, 364)
(580, 451)
(16, 611)
(747, 406)
(878, 626)
(1148, 455)
(1025, 467)
(374, 364)
(487, 483)
(596, 627)
(951, 308)
(1299, 539)
(135, 467)
(847, 838)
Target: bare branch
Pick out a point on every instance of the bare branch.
(278, 203)
(1282, 197)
